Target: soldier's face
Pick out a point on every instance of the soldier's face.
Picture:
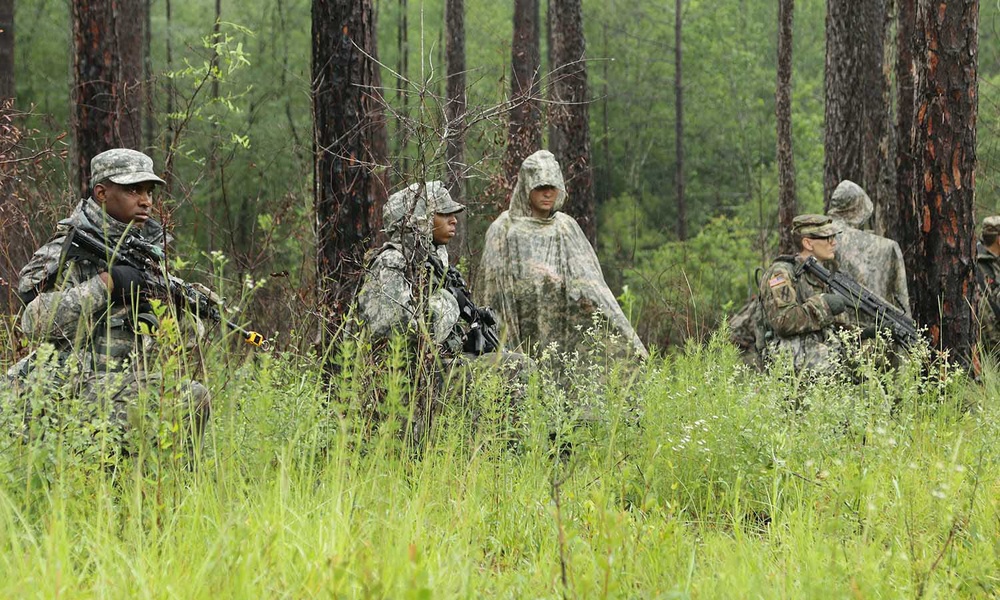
(542, 199)
(823, 248)
(127, 203)
(444, 228)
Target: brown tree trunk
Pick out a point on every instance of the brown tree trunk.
(787, 203)
(524, 133)
(679, 123)
(569, 119)
(893, 224)
(940, 261)
(107, 71)
(857, 97)
(454, 111)
(6, 49)
(350, 144)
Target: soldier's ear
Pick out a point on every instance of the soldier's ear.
(99, 193)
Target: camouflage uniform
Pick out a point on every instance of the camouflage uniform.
(871, 260)
(543, 276)
(795, 319)
(988, 278)
(98, 353)
(399, 293)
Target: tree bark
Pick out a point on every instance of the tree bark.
(107, 86)
(6, 49)
(894, 225)
(350, 146)
(857, 98)
(454, 109)
(569, 119)
(940, 257)
(679, 123)
(524, 132)
(787, 202)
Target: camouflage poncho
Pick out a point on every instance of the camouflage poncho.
(988, 276)
(399, 293)
(873, 261)
(542, 276)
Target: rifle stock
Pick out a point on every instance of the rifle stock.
(885, 315)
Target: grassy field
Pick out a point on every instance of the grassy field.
(689, 477)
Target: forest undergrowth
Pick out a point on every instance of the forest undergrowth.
(688, 475)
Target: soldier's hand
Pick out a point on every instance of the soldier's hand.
(837, 303)
(127, 284)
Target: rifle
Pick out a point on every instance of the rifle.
(148, 258)
(902, 327)
(482, 336)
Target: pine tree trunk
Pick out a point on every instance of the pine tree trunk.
(857, 97)
(679, 123)
(893, 223)
(6, 49)
(350, 145)
(787, 203)
(940, 262)
(107, 87)
(524, 133)
(569, 118)
(454, 110)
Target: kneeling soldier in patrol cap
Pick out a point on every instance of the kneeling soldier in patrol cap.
(988, 278)
(87, 311)
(797, 312)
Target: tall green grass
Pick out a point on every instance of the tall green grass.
(687, 476)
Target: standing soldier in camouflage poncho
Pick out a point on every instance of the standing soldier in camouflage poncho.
(988, 278)
(89, 315)
(405, 289)
(797, 314)
(871, 260)
(542, 275)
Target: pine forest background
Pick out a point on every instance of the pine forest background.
(241, 145)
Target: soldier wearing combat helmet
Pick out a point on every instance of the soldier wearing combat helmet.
(86, 311)
(797, 313)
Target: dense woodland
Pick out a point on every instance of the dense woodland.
(679, 185)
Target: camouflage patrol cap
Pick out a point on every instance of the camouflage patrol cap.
(122, 166)
(991, 225)
(814, 226)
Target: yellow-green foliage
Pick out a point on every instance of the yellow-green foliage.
(686, 476)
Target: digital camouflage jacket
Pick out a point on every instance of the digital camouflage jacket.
(399, 292)
(67, 304)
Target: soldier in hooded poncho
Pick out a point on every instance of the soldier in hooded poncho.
(797, 313)
(988, 279)
(871, 260)
(87, 314)
(541, 274)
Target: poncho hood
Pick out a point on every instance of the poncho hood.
(541, 168)
(850, 204)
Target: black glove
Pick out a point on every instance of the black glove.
(127, 284)
(838, 303)
(868, 332)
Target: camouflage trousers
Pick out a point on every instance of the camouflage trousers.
(458, 378)
(134, 406)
